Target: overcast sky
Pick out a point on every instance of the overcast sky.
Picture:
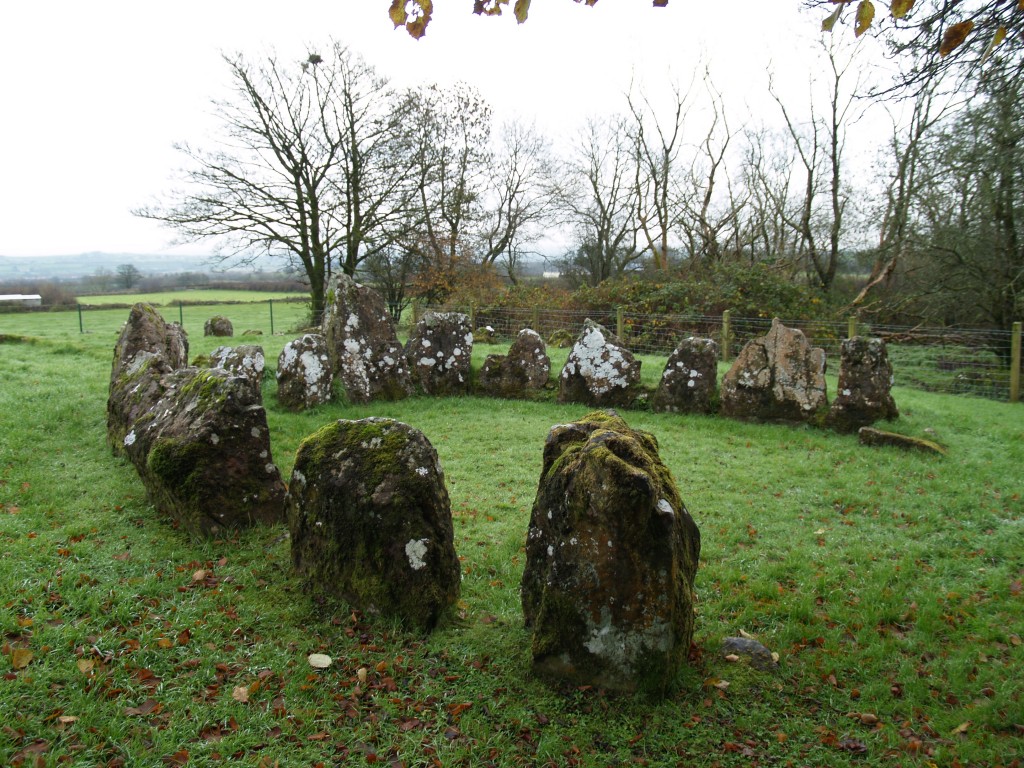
(95, 92)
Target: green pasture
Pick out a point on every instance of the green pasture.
(190, 296)
(889, 583)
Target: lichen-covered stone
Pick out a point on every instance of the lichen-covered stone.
(599, 371)
(203, 453)
(370, 520)
(246, 360)
(366, 356)
(611, 557)
(439, 352)
(690, 380)
(864, 394)
(147, 348)
(218, 325)
(524, 369)
(777, 377)
(304, 373)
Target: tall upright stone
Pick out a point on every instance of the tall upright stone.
(689, 382)
(599, 371)
(611, 558)
(776, 377)
(147, 348)
(440, 352)
(366, 356)
(371, 523)
(864, 394)
(304, 373)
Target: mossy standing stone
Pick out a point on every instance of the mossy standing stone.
(304, 378)
(147, 348)
(689, 382)
(439, 352)
(611, 558)
(864, 394)
(525, 369)
(203, 453)
(371, 523)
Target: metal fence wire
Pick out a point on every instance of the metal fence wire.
(949, 360)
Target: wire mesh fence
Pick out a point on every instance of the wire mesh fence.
(950, 360)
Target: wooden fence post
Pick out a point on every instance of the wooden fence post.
(619, 327)
(726, 335)
(472, 316)
(1015, 364)
(535, 319)
(851, 327)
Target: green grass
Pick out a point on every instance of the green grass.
(889, 584)
(190, 296)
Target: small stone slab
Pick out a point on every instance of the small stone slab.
(877, 437)
(754, 652)
(218, 325)
(525, 369)
(371, 523)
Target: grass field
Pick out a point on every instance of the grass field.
(189, 296)
(890, 584)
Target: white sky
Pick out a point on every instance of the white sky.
(95, 92)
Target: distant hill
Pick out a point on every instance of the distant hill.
(85, 264)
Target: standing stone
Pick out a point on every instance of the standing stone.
(689, 382)
(304, 373)
(371, 523)
(599, 371)
(218, 325)
(525, 368)
(865, 383)
(147, 348)
(246, 360)
(611, 557)
(439, 352)
(777, 377)
(366, 356)
(203, 453)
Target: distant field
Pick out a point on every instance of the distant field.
(191, 296)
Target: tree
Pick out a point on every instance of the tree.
(449, 132)
(936, 36)
(391, 270)
(598, 197)
(517, 200)
(128, 275)
(970, 255)
(306, 168)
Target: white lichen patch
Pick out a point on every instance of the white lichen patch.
(129, 439)
(416, 551)
(255, 431)
(214, 439)
(665, 508)
(422, 471)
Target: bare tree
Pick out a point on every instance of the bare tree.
(517, 200)
(598, 198)
(305, 169)
(657, 145)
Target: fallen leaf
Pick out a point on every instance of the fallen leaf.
(67, 719)
(200, 575)
(21, 658)
(361, 674)
(85, 666)
(241, 694)
(319, 660)
(962, 728)
(149, 706)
